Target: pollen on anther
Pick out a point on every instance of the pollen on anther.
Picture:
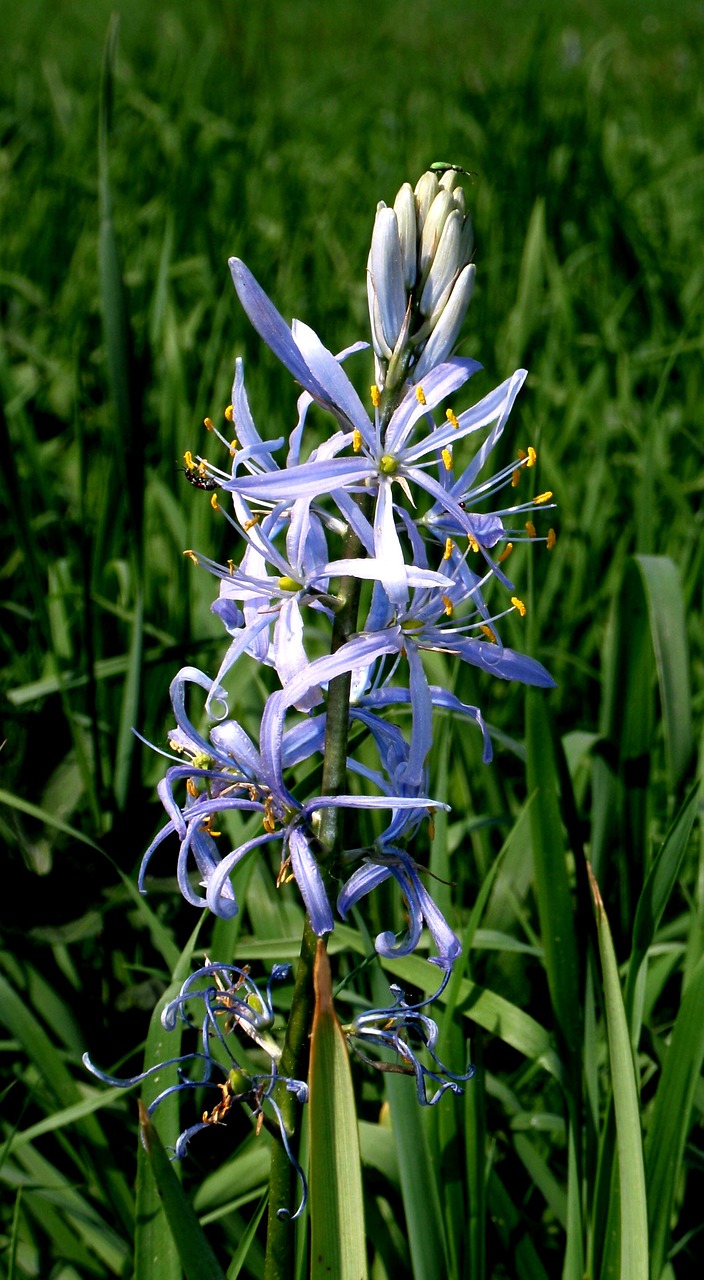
(249, 524)
(420, 395)
(375, 395)
(214, 502)
(530, 529)
(519, 605)
(208, 424)
(356, 440)
(191, 555)
(515, 477)
(192, 789)
(532, 456)
(473, 544)
(449, 544)
(487, 631)
(543, 497)
(551, 539)
(447, 459)
(449, 607)
(230, 413)
(505, 553)
(452, 418)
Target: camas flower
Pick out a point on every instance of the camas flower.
(396, 1028)
(233, 774)
(231, 1003)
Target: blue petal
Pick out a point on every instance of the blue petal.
(310, 882)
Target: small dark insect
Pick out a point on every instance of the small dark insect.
(444, 166)
(196, 475)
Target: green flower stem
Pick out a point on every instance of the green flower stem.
(294, 1059)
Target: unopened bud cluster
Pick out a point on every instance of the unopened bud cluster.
(419, 277)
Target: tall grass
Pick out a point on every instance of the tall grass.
(271, 131)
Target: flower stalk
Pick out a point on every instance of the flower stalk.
(399, 496)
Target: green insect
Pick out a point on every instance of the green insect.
(444, 166)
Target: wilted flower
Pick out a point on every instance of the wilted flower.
(231, 1002)
(396, 1028)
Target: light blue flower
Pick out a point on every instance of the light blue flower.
(233, 774)
(388, 862)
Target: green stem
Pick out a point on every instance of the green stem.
(294, 1059)
(278, 1264)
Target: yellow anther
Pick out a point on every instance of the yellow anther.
(487, 631)
(230, 413)
(356, 440)
(375, 395)
(515, 478)
(191, 556)
(207, 826)
(233, 448)
(249, 524)
(208, 424)
(231, 568)
(473, 544)
(518, 604)
(522, 455)
(449, 544)
(551, 539)
(188, 459)
(420, 396)
(532, 456)
(269, 819)
(449, 607)
(505, 553)
(214, 502)
(192, 789)
(447, 459)
(543, 497)
(530, 529)
(452, 417)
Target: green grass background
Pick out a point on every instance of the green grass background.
(270, 130)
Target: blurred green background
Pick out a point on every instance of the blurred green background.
(270, 131)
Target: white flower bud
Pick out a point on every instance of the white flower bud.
(386, 268)
(405, 210)
(381, 348)
(432, 228)
(445, 265)
(444, 335)
(427, 188)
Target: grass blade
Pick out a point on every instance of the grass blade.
(555, 907)
(668, 629)
(634, 1216)
(197, 1257)
(338, 1245)
(672, 1114)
